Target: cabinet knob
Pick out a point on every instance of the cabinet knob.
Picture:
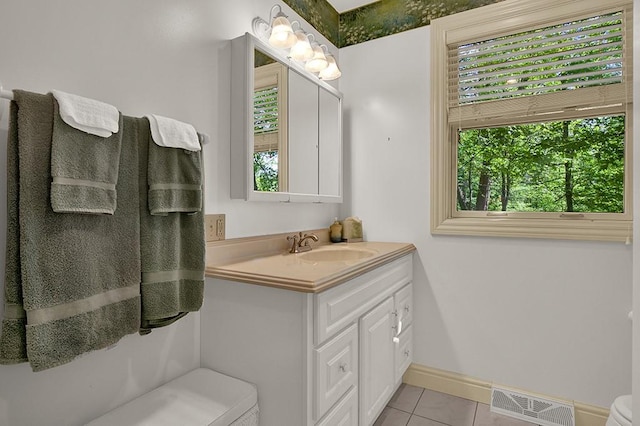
(394, 312)
(343, 368)
(406, 353)
(407, 308)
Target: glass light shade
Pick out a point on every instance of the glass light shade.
(301, 51)
(282, 35)
(332, 71)
(318, 62)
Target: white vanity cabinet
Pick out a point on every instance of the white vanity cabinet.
(328, 358)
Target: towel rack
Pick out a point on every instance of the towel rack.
(5, 94)
(8, 94)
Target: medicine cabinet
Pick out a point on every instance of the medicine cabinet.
(286, 128)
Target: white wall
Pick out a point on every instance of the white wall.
(542, 315)
(147, 56)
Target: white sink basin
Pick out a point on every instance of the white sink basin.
(336, 254)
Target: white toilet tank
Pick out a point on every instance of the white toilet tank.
(201, 397)
(620, 414)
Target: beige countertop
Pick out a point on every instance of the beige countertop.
(300, 272)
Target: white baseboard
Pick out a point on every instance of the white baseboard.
(480, 391)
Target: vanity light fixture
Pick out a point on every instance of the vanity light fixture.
(282, 35)
(331, 72)
(296, 44)
(319, 61)
(301, 51)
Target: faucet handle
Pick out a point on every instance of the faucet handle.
(295, 241)
(307, 237)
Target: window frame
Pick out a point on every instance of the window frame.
(510, 17)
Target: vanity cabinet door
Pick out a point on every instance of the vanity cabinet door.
(404, 353)
(345, 413)
(336, 370)
(403, 312)
(376, 361)
(404, 305)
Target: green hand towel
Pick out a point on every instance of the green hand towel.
(79, 273)
(13, 340)
(84, 168)
(172, 253)
(175, 180)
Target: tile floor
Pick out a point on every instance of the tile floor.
(414, 406)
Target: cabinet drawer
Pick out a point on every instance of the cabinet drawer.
(339, 306)
(345, 413)
(404, 353)
(336, 370)
(404, 305)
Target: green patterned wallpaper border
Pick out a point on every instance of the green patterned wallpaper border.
(379, 19)
(386, 17)
(319, 13)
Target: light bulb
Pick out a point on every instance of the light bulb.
(332, 71)
(301, 51)
(319, 61)
(282, 35)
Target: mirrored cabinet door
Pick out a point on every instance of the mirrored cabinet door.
(303, 129)
(330, 144)
(269, 126)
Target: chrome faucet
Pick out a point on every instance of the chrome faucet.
(300, 243)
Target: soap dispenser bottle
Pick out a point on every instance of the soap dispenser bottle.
(335, 231)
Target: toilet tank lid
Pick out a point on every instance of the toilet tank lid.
(201, 397)
(623, 405)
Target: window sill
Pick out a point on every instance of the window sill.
(568, 229)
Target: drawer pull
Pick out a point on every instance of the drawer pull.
(395, 313)
(397, 327)
(343, 368)
(407, 308)
(406, 353)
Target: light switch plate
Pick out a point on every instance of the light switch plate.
(214, 225)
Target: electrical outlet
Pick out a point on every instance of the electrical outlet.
(214, 225)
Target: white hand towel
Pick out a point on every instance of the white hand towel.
(171, 133)
(90, 116)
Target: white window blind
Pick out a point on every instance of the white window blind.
(574, 65)
(265, 116)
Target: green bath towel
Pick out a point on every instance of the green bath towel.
(84, 169)
(175, 180)
(13, 340)
(79, 274)
(172, 252)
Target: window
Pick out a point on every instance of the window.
(531, 120)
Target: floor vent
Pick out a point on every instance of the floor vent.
(531, 408)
